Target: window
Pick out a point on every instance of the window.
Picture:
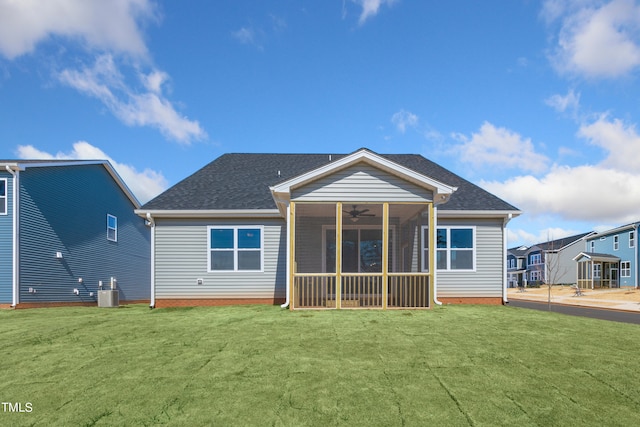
(632, 239)
(455, 248)
(3, 196)
(235, 248)
(512, 263)
(597, 268)
(625, 268)
(592, 246)
(616, 243)
(535, 259)
(535, 276)
(112, 228)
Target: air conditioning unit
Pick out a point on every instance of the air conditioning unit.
(108, 298)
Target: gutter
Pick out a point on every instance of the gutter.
(288, 262)
(505, 300)
(434, 244)
(14, 262)
(152, 224)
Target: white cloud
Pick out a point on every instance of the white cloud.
(621, 141)
(370, 8)
(569, 102)
(113, 29)
(109, 25)
(104, 82)
(403, 119)
(145, 185)
(500, 147)
(245, 35)
(587, 193)
(596, 39)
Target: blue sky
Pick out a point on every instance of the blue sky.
(536, 101)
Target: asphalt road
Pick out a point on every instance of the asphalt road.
(594, 313)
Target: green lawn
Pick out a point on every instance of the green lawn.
(258, 365)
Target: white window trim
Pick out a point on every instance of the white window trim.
(235, 249)
(628, 269)
(592, 246)
(616, 242)
(632, 239)
(115, 229)
(598, 271)
(448, 249)
(5, 197)
(538, 276)
(538, 258)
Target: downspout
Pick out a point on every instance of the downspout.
(152, 223)
(505, 242)
(288, 261)
(15, 299)
(434, 244)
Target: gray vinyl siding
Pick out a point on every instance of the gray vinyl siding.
(362, 183)
(487, 280)
(6, 244)
(181, 255)
(64, 209)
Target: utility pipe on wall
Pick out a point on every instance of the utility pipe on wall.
(152, 223)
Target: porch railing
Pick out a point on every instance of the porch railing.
(404, 290)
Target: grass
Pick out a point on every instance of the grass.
(450, 366)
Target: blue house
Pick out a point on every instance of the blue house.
(67, 228)
(610, 259)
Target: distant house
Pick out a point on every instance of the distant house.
(66, 227)
(327, 231)
(610, 259)
(517, 266)
(547, 262)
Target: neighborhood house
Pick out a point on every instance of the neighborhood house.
(361, 230)
(66, 227)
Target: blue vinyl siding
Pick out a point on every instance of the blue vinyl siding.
(6, 243)
(64, 209)
(604, 245)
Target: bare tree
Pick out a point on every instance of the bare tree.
(553, 269)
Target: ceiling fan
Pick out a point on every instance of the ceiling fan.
(356, 214)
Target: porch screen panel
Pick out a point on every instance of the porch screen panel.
(314, 284)
(408, 281)
(409, 221)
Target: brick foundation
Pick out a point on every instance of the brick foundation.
(166, 303)
(67, 304)
(484, 301)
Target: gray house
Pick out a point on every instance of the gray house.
(361, 230)
(65, 227)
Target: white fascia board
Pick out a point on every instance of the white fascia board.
(372, 159)
(477, 214)
(211, 213)
(631, 226)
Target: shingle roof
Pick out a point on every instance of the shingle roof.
(242, 181)
(560, 243)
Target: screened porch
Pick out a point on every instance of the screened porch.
(598, 271)
(361, 255)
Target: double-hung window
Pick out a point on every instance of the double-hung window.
(625, 268)
(235, 248)
(632, 239)
(535, 259)
(112, 228)
(455, 248)
(592, 246)
(616, 243)
(3, 196)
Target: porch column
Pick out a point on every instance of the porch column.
(338, 254)
(433, 247)
(385, 254)
(292, 258)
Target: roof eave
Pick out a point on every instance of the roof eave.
(479, 213)
(209, 213)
